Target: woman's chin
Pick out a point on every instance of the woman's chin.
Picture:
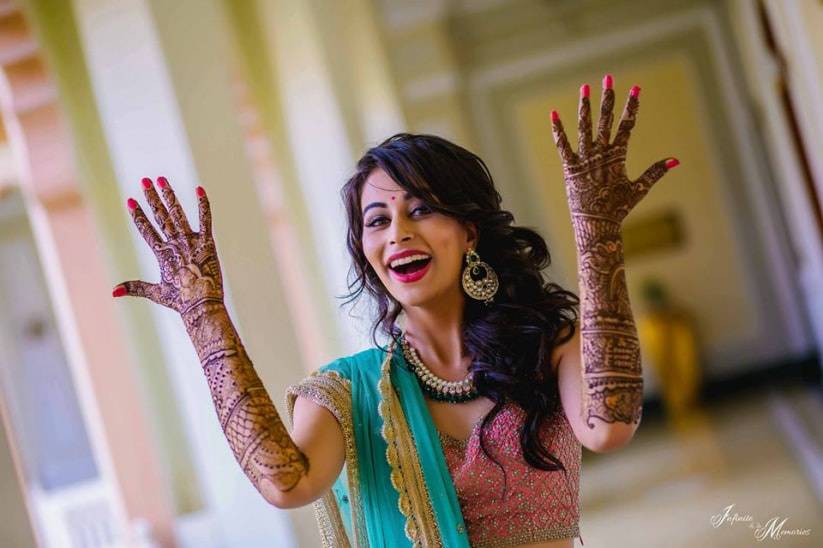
(426, 296)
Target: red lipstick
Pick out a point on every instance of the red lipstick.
(412, 276)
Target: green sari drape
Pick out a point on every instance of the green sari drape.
(395, 488)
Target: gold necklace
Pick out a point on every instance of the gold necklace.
(438, 388)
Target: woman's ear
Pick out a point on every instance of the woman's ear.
(471, 239)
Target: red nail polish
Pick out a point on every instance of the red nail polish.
(132, 203)
(672, 162)
(635, 91)
(555, 116)
(119, 291)
(146, 183)
(585, 91)
(200, 191)
(608, 81)
(162, 182)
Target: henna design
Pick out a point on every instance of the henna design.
(604, 123)
(600, 196)
(191, 284)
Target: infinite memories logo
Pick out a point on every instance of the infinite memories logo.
(774, 528)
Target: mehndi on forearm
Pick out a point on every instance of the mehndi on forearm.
(612, 375)
(257, 436)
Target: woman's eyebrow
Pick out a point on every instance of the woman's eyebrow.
(406, 196)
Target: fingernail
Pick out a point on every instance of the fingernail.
(672, 162)
(555, 116)
(584, 90)
(119, 291)
(132, 203)
(146, 183)
(635, 91)
(200, 192)
(608, 81)
(162, 182)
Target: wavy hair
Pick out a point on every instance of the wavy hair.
(510, 340)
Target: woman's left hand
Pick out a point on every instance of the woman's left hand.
(596, 181)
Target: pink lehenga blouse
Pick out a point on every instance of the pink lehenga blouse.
(537, 505)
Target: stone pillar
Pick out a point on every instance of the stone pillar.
(50, 170)
(336, 98)
(162, 74)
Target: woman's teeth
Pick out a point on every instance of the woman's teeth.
(409, 259)
(410, 264)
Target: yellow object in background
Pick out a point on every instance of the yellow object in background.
(668, 336)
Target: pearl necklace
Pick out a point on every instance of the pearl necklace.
(438, 388)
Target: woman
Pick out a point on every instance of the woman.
(467, 428)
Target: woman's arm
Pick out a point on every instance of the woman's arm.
(278, 464)
(255, 432)
(191, 283)
(605, 362)
(584, 391)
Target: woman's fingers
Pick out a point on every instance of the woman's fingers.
(584, 123)
(161, 214)
(138, 288)
(143, 225)
(649, 177)
(628, 119)
(604, 123)
(205, 213)
(178, 216)
(560, 139)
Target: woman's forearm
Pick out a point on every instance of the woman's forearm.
(256, 434)
(612, 375)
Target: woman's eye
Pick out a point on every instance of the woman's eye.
(376, 221)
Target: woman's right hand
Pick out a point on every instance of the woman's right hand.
(276, 462)
(189, 268)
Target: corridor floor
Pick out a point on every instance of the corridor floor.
(664, 488)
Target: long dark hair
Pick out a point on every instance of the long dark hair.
(510, 340)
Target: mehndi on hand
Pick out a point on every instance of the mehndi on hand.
(189, 268)
(191, 284)
(595, 175)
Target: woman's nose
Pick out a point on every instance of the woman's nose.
(399, 230)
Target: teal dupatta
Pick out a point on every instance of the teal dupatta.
(395, 488)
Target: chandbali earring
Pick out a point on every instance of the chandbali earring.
(479, 278)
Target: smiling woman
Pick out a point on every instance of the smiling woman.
(476, 376)
(467, 428)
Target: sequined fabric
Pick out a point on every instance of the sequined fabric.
(537, 505)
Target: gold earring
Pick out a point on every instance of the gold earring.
(479, 278)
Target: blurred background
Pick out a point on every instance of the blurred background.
(109, 436)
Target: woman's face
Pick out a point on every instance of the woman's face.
(393, 222)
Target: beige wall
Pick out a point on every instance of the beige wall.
(706, 273)
(811, 12)
(496, 71)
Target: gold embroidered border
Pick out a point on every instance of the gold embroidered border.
(529, 537)
(333, 391)
(406, 474)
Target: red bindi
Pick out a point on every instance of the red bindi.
(393, 197)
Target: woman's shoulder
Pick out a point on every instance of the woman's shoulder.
(362, 362)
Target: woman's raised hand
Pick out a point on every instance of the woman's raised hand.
(189, 268)
(595, 175)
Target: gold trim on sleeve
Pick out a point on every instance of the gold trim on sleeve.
(333, 391)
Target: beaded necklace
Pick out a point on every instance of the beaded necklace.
(438, 388)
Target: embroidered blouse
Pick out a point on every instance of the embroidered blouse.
(406, 484)
(537, 505)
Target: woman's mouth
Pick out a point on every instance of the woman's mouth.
(411, 272)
